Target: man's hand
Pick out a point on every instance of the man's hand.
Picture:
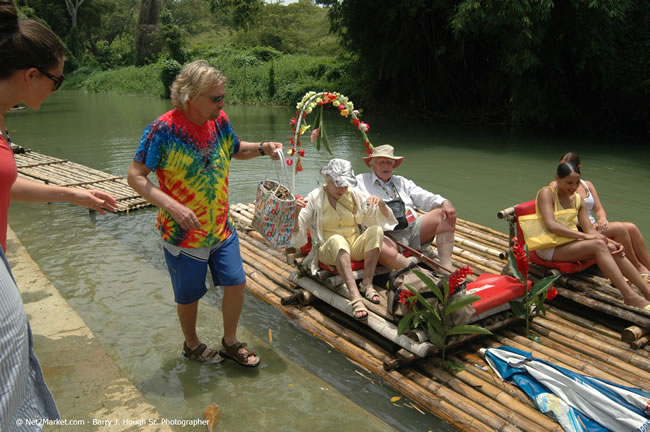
(449, 212)
(270, 147)
(184, 216)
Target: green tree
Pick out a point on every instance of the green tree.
(244, 13)
(148, 41)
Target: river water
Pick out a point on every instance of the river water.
(111, 270)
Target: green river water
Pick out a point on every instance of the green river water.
(111, 269)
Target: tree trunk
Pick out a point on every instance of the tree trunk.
(148, 40)
(73, 8)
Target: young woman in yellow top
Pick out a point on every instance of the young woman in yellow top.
(589, 244)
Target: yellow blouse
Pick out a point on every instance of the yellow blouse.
(340, 220)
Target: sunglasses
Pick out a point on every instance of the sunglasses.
(57, 80)
(217, 99)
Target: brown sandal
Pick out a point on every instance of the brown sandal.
(202, 354)
(232, 352)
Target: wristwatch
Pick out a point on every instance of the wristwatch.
(261, 148)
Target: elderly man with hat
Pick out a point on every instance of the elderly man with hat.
(399, 193)
(332, 214)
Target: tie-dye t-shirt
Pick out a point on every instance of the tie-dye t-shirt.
(192, 164)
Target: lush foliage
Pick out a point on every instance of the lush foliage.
(571, 63)
(534, 298)
(436, 319)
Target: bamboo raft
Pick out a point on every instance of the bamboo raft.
(572, 335)
(61, 172)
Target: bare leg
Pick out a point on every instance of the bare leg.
(587, 249)
(187, 317)
(231, 307)
(390, 256)
(639, 247)
(618, 231)
(369, 265)
(433, 224)
(344, 268)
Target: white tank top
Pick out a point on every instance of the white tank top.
(589, 201)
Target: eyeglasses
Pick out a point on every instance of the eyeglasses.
(57, 80)
(217, 99)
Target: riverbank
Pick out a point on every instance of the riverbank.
(90, 390)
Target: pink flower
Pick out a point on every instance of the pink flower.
(293, 121)
(341, 107)
(314, 134)
(289, 162)
(364, 127)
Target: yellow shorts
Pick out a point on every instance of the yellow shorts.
(357, 246)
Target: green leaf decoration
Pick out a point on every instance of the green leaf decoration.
(458, 367)
(405, 323)
(430, 284)
(468, 329)
(461, 302)
(423, 301)
(543, 284)
(518, 309)
(322, 135)
(512, 264)
(435, 322)
(435, 338)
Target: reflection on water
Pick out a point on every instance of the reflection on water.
(111, 269)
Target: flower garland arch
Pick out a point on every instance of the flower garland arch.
(310, 101)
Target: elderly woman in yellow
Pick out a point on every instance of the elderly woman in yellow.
(333, 213)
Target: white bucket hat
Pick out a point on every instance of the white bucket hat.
(385, 151)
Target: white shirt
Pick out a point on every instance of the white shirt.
(412, 195)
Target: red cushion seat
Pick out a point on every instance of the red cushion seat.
(306, 248)
(527, 208)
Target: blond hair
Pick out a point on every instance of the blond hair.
(192, 80)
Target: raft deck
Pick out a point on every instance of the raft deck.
(573, 336)
(61, 172)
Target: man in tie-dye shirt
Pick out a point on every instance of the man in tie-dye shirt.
(190, 148)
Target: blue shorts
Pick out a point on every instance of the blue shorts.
(188, 272)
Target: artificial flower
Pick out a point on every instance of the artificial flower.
(301, 152)
(341, 107)
(521, 257)
(364, 127)
(457, 278)
(551, 293)
(355, 122)
(303, 128)
(291, 140)
(299, 166)
(314, 134)
(289, 162)
(345, 112)
(293, 121)
(290, 152)
(336, 103)
(404, 296)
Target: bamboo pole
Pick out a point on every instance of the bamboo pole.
(498, 402)
(632, 333)
(442, 409)
(623, 359)
(555, 312)
(472, 407)
(632, 317)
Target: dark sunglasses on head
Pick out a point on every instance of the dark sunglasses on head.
(57, 80)
(217, 99)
